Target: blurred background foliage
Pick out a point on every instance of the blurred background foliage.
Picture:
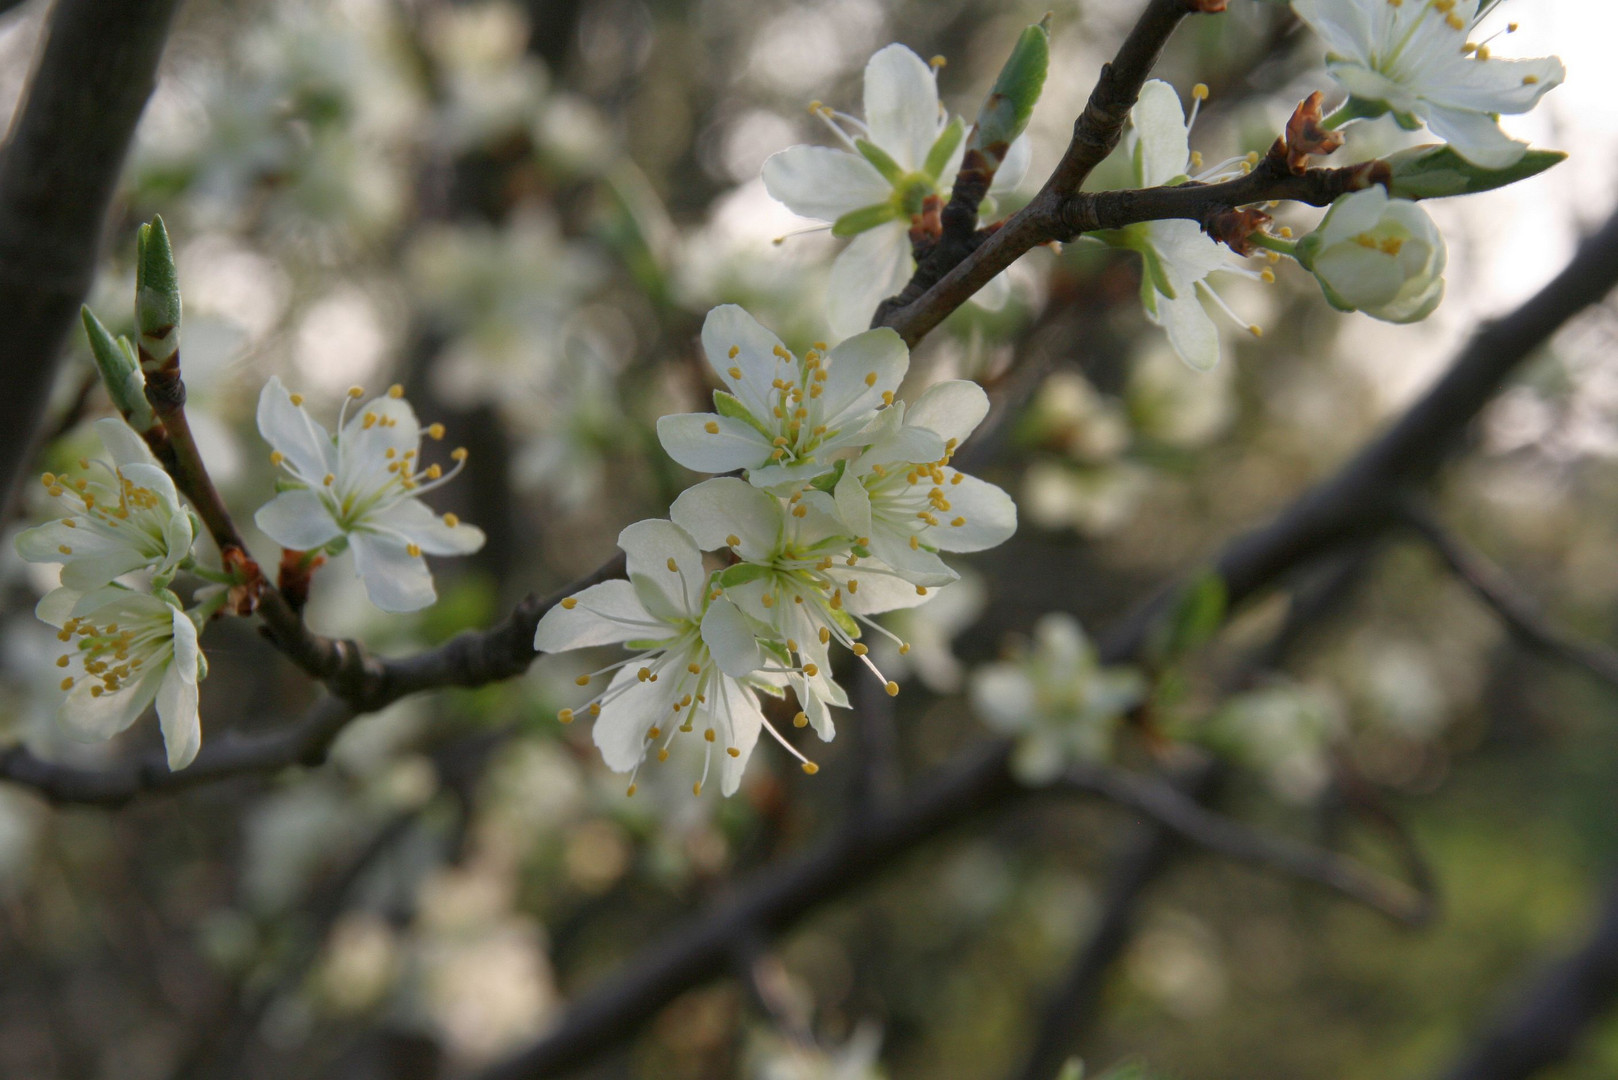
(522, 211)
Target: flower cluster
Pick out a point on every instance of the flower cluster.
(122, 537)
(848, 500)
(362, 488)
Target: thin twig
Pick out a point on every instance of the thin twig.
(1519, 613)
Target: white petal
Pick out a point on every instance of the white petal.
(729, 327)
(1160, 134)
(123, 443)
(1004, 697)
(917, 565)
(821, 183)
(736, 445)
(859, 372)
(649, 547)
(1494, 86)
(1343, 26)
(783, 480)
(177, 697)
(716, 509)
(745, 721)
(879, 592)
(874, 266)
(953, 409)
(380, 425)
(91, 718)
(151, 476)
(853, 504)
(415, 522)
(901, 105)
(289, 429)
(991, 516)
(1475, 136)
(1191, 331)
(730, 639)
(603, 614)
(394, 579)
(56, 607)
(620, 730)
(298, 520)
(94, 572)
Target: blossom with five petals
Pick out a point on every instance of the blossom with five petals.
(125, 650)
(1416, 59)
(693, 664)
(784, 418)
(904, 151)
(1378, 255)
(127, 519)
(1178, 255)
(364, 485)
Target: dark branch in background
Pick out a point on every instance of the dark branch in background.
(1515, 609)
(1546, 1026)
(96, 69)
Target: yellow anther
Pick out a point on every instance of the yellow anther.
(663, 754)
(631, 792)
(435, 431)
(825, 635)
(64, 549)
(736, 349)
(565, 715)
(1256, 330)
(1199, 92)
(733, 540)
(653, 732)
(768, 599)
(62, 661)
(811, 768)
(1530, 80)
(921, 590)
(643, 674)
(695, 669)
(458, 454)
(674, 567)
(595, 708)
(914, 542)
(708, 735)
(800, 720)
(904, 647)
(887, 397)
(413, 550)
(296, 399)
(870, 378)
(67, 683)
(433, 472)
(781, 440)
(733, 751)
(735, 373)
(451, 520)
(329, 479)
(811, 670)
(711, 427)
(1267, 276)
(570, 603)
(892, 688)
(696, 788)
(396, 391)
(582, 680)
(276, 457)
(859, 649)
(356, 392)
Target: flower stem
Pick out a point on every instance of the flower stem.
(1289, 248)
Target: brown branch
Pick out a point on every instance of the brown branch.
(96, 68)
(1520, 615)
(1360, 500)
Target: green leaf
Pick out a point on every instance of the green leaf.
(120, 373)
(828, 481)
(891, 170)
(728, 405)
(1198, 613)
(866, 217)
(1006, 110)
(943, 147)
(741, 574)
(1436, 171)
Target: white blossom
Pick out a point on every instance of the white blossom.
(1056, 699)
(1179, 256)
(362, 485)
(1378, 255)
(126, 649)
(783, 417)
(693, 664)
(118, 518)
(905, 150)
(1417, 59)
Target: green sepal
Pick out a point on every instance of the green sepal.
(943, 148)
(776, 649)
(827, 482)
(1006, 110)
(1436, 170)
(1197, 615)
(120, 372)
(741, 574)
(642, 644)
(891, 170)
(845, 622)
(866, 217)
(1155, 271)
(728, 405)
(157, 289)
